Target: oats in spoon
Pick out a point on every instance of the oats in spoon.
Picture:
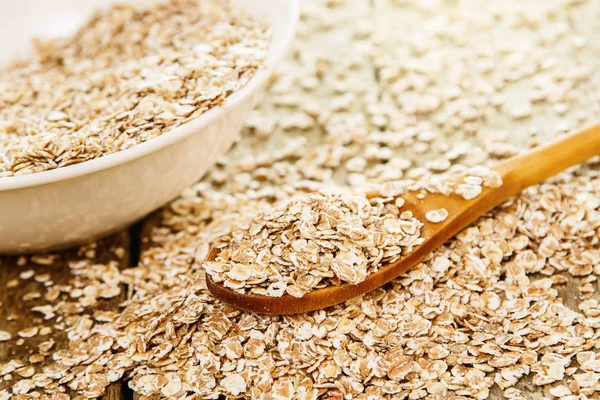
(312, 242)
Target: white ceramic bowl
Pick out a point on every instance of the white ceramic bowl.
(71, 205)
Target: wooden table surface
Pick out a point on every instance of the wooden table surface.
(15, 311)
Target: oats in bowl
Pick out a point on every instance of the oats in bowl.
(149, 96)
(129, 74)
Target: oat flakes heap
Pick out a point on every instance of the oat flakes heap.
(410, 90)
(315, 241)
(127, 75)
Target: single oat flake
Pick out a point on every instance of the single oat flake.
(436, 216)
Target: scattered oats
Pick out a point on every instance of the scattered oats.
(12, 317)
(489, 178)
(26, 372)
(437, 216)
(23, 386)
(522, 110)
(468, 191)
(47, 310)
(36, 358)
(119, 252)
(42, 278)
(45, 331)
(298, 120)
(174, 386)
(12, 283)
(487, 301)
(234, 384)
(5, 336)
(31, 296)
(356, 164)
(46, 259)
(45, 347)
(28, 332)
(27, 274)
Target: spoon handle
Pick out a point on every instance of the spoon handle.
(547, 160)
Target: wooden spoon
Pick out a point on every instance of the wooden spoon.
(517, 173)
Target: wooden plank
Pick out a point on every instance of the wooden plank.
(18, 296)
(144, 236)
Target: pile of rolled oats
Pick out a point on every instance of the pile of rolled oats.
(319, 240)
(409, 91)
(129, 74)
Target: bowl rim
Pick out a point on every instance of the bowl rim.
(170, 137)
